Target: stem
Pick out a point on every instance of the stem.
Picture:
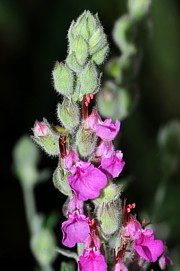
(84, 108)
(30, 208)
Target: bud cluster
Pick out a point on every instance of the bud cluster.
(119, 96)
(88, 162)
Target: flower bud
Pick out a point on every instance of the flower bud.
(107, 101)
(85, 26)
(109, 194)
(108, 216)
(99, 57)
(88, 79)
(68, 114)
(43, 246)
(80, 48)
(61, 182)
(63, 79)
(169, 138)
(85, 141)
(116, 103)
(138, 8)
(123, 35)
(97, 41)
(80, 27)
(46, 137)
(72, 62)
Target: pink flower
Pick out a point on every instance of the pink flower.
(148, 248)
(113, 165)
(75, 230)
(92, 260)
(40, 129)
(70, 160)
(87, 181)
(104, 150)
(119, 266)
(107, 130)
(164, 260)
(132, 230)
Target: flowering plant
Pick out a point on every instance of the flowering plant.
(110, 235)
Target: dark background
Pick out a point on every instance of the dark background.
(32, 37)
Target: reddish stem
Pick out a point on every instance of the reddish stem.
(84, 108)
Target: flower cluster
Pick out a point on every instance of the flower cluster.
(89, 164)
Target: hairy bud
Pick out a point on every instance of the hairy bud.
(88, 79)
(68, 114)
(61, 182)
(80, 48)
(99, 57)
(63, 79)
(43, 246)
(46, 137)
(138, 8)
(85, 142)
(123, 34)
(109, 217)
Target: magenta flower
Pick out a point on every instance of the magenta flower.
(87, 181)
(113, 165)
(107, 130)
(104, 150)
(40, 129)
(148, 248)
(164, 260)
(70, 160)
(119, 266)
(92, 260)
(75, 230)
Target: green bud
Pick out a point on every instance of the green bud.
(60, 180)
(68, 266)
(113, 68)
(63, 79)
(85, 26)
(48, 140)
(100, 55)
(138, 9)
(70, 32)
(125, 102)
(169, 137)
(169, 144)
(97, 41)
(108, 216)
(88, 79)
(68, 114)
(43, 246)
(85, 142)
(26, 156)
(80, 48)
(80, 27)
(107, 101)
(76, 96)
(73, 64)
(91, 23)
(115, 103)
(109, 194)
(123, 34)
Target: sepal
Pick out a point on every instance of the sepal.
(48, 142)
